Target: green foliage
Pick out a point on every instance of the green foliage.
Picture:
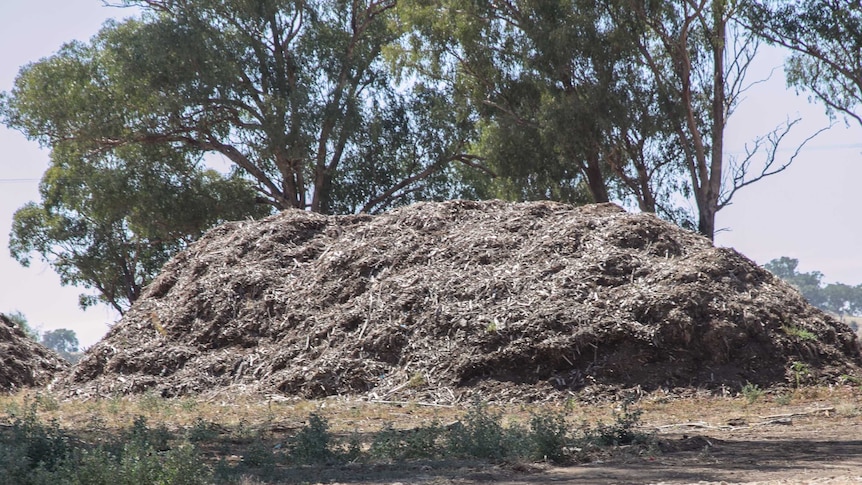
(44, 446)
(32, 452)
(259, 455)
(751, 392)
(295, 94)
(397, 445)
(313, 442)
(837, 298)
(565, 112)
(826, 40)
(801, 372)
(61, 340)
(809, 284)
(110, 221)
(38, 453)
(479, 435)
(202, 430)
(549, 436)
(800, 333)
(623, 431)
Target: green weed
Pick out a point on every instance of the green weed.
(800, 333)
(312, 444)
(751, 392)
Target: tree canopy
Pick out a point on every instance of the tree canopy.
(61, 340)
(109, 221)
(565, 111)
(837, 298)
(825, 39)
(296, 94)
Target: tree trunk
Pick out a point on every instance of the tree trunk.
(712, 185)
(595, 181)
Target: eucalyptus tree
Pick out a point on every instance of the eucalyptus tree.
(825, 41)
(697, 54)
(559, 88)
(286, 90)
(108, 222)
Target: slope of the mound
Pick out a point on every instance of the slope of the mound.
(25, 363)
(437, 300)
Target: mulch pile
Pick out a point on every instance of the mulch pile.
(441, 301)
(24, 362)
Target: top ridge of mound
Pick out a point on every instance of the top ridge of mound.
(441, 300)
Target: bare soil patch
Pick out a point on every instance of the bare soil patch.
(24, 362)
(440, 302)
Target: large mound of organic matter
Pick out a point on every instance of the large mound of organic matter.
(439, 301)
(23, 362)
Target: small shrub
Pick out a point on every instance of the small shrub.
(847, 379)
(801, 372)
(258, 454)
(751, 392)
(479, 436)
(549, 435)
(423, 442)
(43, 445)
(623, 431)
(47, 402)
(202, 430)
(395, 445)
(141, 434)
(311, 444)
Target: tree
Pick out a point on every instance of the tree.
(697, 54)
(809, 284)
(109, 221)
(838, 298)
(284, 89)
(843, 299)
(825, 38)
(62, 340)
(584, 100)
(557, 86)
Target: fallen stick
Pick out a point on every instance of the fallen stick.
(801, 413)
(381, 401)
(699, 424)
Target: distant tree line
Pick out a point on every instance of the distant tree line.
(357, 106)
(838, 298)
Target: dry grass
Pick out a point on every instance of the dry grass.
(345, 415)
(235, 430)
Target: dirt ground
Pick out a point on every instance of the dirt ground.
(811, 435)
(814, 440)
(813, 449)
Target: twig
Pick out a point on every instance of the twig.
(801, 413)
(699, 424)
(420, 403)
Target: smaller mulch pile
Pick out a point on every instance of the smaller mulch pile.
(442, 301)
(23, 362)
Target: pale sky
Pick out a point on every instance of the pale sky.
(808, 212)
